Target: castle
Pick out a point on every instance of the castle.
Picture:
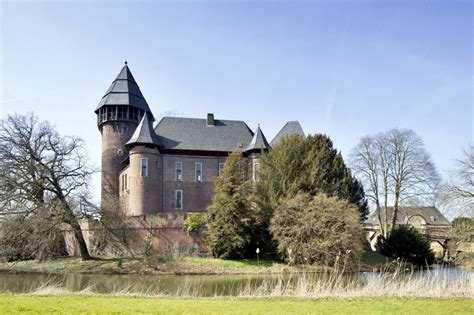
(173, 166)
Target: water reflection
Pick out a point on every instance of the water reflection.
(222, 285)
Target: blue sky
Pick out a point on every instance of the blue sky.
(344, 68)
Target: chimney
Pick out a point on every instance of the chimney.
(210, 119)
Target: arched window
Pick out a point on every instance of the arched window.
(417, 221)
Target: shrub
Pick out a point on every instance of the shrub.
(195, 221)
(316, 229)
(408, 244)
(463, 229)
(25, 237)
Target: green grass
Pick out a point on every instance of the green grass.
(76, 304)
(74, 264)
(187, 265)
(242, 264)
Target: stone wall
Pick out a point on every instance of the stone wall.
(160, 236)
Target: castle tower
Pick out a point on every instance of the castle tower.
(258, 145)
(144, 172)
(118, 114)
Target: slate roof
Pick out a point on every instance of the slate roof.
(290, 128)
(259, 142)
(431, 215)
(124, 90)
(194, 134)
(144, 134)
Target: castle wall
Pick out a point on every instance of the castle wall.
(165, 235)
(114, 136)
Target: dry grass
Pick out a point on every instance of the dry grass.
(379, 285)
(331, 284)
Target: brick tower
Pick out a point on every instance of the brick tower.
(118, 114)
(143, 174)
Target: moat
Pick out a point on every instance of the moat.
(203, 286)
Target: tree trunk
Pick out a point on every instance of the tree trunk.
(80, 240)
(385, 202)
(379, 218)
(72, 221)
(395, 207)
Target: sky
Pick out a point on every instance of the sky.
(343, 68)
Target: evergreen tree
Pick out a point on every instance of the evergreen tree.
(302, 164)
(312, 165)
(229, 214)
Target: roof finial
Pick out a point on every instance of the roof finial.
(125, 62)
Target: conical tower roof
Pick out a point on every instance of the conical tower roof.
(124, 90)
(290, 128)
(144, 134)
(259, 142)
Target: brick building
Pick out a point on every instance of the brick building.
(172, 166)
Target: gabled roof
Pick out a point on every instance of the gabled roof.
(259, 142)
(124, 90)
(290, 128)
(194, 134)
(431, 215)
(144, 134)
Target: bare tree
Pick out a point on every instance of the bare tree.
(370, 162)
(42, 171)
(394, 166)
(460, 189)
(365, 163)
(412, 171)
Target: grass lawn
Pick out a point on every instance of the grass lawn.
(75, 304)
(186, 265)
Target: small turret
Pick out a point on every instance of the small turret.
(144, 171)
(258, 145)
(144, 134)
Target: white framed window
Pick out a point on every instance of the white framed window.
(178, 196)
(179, 171)
(143, 167)
(198, 171)
(221, 168)
(255, 169)
(126, 182)
(123, 182)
